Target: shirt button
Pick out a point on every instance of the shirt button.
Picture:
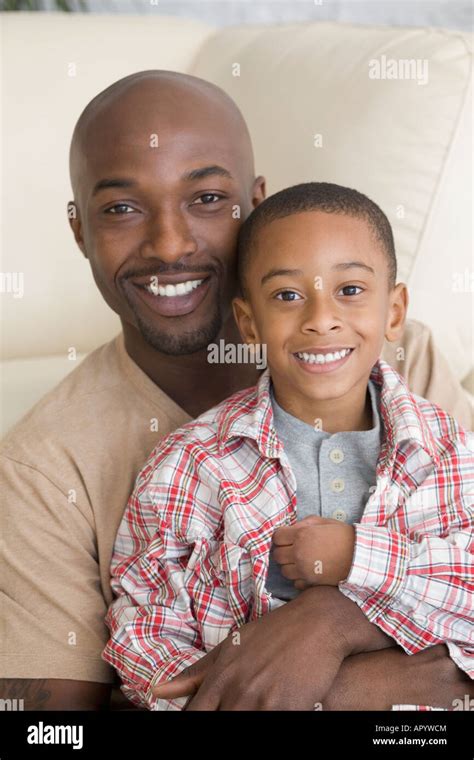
(339, 514)
(336, 455)
(338, 485)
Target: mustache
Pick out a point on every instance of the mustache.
(163, 269)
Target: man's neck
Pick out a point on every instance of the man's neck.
(190, 380)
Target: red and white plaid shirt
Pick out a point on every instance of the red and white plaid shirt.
(192, 551)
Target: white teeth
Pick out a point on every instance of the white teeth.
(323, 358)
(180, 289)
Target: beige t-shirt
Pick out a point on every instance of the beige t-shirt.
(66, 471)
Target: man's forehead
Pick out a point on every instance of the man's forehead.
(187, 140)
(154, 129)
(187, 156)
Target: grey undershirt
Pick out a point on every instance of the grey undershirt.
(333, 472)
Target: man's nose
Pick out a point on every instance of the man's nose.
(321, 314)
(167, 237)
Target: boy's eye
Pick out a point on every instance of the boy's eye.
(207, 198)
(351, 287)
(120, 208)
(287, 295)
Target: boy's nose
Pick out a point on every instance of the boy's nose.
(321, 315)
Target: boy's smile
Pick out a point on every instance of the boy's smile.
(319, 298)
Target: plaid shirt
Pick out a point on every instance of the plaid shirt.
(191, 553)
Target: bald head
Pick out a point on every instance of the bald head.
(159, 105)
(163, 175)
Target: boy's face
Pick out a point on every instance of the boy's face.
(318, 283)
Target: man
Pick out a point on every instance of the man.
(162, 173)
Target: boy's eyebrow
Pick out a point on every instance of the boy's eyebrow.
(288, 272)
(104, 184)
(208, 171)
(278, 273)
(353, 265)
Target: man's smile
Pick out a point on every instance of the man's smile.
(173, 295)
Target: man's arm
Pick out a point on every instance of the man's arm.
(380, 680)
(55, 694)
(285, 660)
(51, 600)
(279, 657)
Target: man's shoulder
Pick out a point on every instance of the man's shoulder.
(96, 404)
(94, 375)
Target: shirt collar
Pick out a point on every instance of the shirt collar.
(249, 414)
(401, 414)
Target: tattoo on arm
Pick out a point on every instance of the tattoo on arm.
(32, 694)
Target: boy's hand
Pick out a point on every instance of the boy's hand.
(315, 551)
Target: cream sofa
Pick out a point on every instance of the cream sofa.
(314, 114)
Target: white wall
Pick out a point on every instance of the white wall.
(450, 14)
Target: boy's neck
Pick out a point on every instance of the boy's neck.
(353, 412)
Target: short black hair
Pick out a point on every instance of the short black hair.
(315, 196)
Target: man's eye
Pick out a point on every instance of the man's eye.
(207, 198)
(352, 287)
(120, 208)
(287, 295)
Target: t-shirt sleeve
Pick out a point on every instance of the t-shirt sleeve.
(52, 607)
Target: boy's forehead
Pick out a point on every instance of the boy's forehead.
(313, 242)
(318, 231)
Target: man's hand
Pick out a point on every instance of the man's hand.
(314, 551)
(286, 660)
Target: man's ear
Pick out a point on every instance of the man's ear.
(244, 319)
(397, 312)
(76, 226)
(259, 191)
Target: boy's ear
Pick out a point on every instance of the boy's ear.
(397, 312)
(244, 319)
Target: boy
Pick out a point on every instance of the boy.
(329, 461)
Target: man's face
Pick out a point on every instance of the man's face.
(317, 284)
(160, 196)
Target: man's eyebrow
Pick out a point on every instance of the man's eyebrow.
(208, 171)
(279, 273)
(353, 265)
(104, 184)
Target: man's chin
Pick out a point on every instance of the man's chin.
(181, 343)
